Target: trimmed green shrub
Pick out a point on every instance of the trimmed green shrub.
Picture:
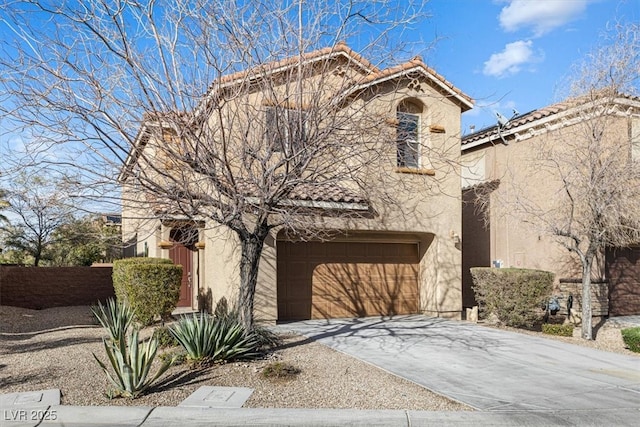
(115, 317)
(151, 286)
(631, 337)
(557, 329)
(209, 339)
(119, 272)
(513, 295)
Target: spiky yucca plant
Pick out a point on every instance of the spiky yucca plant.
(131, 362)
(115, 317)
(209, 339)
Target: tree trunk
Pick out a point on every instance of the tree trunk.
(587, 331)
(36, 257)
(251, 245)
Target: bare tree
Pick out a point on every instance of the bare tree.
(174, 92)
(588, 165)
(37, 209)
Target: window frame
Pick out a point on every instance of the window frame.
(408, 147)
(282, 133)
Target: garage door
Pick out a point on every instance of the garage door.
(623, 273)
(345, 279)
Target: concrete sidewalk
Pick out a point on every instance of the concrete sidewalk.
(488, 369)
(98, 416)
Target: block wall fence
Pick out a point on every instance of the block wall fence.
(45, 287)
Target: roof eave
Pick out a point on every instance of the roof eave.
(492, 134)
(465, 102)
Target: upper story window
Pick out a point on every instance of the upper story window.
(286, 128)
(408, 134)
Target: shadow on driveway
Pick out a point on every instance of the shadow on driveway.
(488, 369)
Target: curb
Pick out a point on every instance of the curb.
(125, 416)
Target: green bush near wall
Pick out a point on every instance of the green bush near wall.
(559, 330)
(514, 295)
(631, 338)
(151, 286)
(120, 271)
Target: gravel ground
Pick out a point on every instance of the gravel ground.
(53, 349)
(607, 337)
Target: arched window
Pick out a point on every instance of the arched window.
(408, 136)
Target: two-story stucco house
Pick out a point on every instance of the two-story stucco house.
(388, 257)
(500, 165)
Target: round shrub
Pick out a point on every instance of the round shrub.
(120, 272)
(512, 294)
(151, 286)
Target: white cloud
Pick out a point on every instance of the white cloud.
(542, 15)
(511, 59)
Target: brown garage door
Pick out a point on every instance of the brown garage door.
(340, 279)
(623, 273)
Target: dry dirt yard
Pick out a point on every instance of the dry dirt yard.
(53, 348)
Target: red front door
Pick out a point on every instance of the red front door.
(182, 254)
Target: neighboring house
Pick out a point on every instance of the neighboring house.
(112, 219)
(500, 170)
(401, 258)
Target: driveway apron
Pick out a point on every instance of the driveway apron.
(488, 369)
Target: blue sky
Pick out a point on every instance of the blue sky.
(510, 54)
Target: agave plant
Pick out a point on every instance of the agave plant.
(115, 317)
(265, 338)
(206, 338)
(131, 362)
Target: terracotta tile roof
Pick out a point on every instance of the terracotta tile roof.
(372, 73)
(533, 116)
(339, 48)
(326, 193)
(416, 64)
(518, 120)
(322, 193)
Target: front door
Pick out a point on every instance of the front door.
(181, 253)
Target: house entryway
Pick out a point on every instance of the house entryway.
(347, 279)
(184, 239)
(623, 274)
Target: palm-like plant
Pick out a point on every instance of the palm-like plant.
(131, 361)
(206, 338)
(115, 317)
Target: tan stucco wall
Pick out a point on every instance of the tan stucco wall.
(220, 263)
(139, 224)
(514, 240)
(428, 206)
(423, 204)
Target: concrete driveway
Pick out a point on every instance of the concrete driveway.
(488, 369)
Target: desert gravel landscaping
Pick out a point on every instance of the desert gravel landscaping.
(53, 348)
(607, 338)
